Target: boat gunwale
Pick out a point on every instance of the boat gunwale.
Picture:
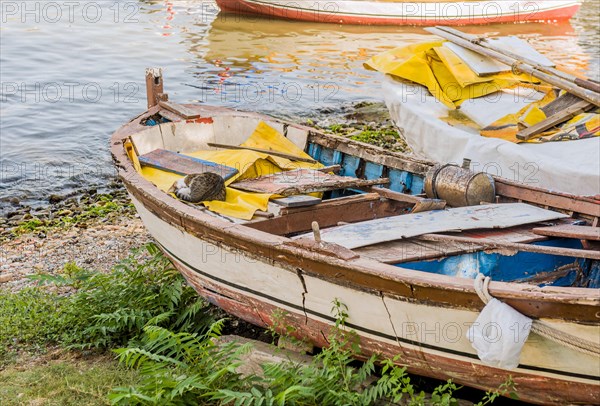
(561, 303)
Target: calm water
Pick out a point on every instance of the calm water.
(73, 74)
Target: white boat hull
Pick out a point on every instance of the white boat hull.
(431, 340)
(406, 13)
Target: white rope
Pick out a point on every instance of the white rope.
(481, 287)
(568, 340)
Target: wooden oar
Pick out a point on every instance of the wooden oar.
(264, 151)
(569, 86)
(482, 41)
(491, 244)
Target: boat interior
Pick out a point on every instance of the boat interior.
(348, 189)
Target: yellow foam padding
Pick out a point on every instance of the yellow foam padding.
(446, 77)
(250, 164)
(457, 93)
(266, 137)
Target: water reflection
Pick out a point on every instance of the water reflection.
(291, 69)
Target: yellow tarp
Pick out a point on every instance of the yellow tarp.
(451, 81)
(437, 68)
(250, 164)
(507, 127)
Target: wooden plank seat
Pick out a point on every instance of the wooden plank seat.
(183, 164)
(302, 181)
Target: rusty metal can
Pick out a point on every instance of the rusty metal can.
(458, 186)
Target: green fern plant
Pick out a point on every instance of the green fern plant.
(180, 368)
(184, 368)
(112, 309)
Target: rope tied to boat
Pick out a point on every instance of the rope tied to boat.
(481, 285)
(515, 68)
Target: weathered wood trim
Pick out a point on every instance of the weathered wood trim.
(179, 109)
(541, 197)
(397, 252)
(420, 203)
(371, 153)
(570, 231)
(502, 245)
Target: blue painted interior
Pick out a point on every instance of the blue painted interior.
(349, 165)
(373, 171)
(314, 150)
(518, 267)
(327, 157)
(418, 184)
(400, 181)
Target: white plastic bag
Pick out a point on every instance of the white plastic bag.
(499, 334)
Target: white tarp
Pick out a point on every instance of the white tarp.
(566, 166)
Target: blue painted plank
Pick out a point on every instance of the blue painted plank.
(398, 180)
(373, 170)
(326, 156)
(182, 164)
(594, 275)
(338, 157)
(314, 150)
(418, 185)
(349, 165)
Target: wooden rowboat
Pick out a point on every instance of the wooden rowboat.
(405, 295)
(406, 13)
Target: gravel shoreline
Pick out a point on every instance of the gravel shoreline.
(94, 231)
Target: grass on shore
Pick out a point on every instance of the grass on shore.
(64, 381)
(103, 206)
(164, 335)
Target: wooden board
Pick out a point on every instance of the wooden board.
(560, 103)
(182, 164)
(297, 201)
(484, 65)
(396, 252)
(456, 219)
(302, 181)
(570, 231)
(179, 109)
(349, 209)
(517, 46)
(556, 119)
(480, 64)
